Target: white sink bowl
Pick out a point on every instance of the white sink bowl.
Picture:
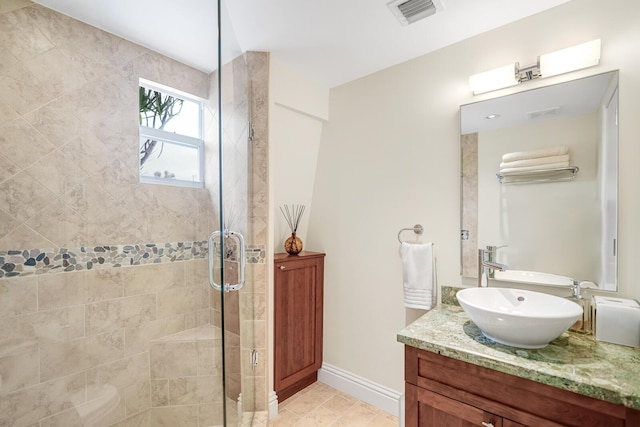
(518, 318)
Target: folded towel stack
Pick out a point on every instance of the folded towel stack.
(546, 158)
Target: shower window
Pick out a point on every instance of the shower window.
(171, 137)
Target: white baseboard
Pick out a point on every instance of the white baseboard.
(374, 394)
(273, 405)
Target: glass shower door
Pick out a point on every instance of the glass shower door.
(239, 249)
(106, 313)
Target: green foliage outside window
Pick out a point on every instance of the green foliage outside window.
(156, 110)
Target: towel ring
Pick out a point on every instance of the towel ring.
(418, 229)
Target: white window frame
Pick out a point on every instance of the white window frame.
(175, 138)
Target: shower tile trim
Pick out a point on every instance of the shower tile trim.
(25, 262)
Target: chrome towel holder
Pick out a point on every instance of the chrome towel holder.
(418, 229)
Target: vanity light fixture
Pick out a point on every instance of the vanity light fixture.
(495, 79)
(562, 61)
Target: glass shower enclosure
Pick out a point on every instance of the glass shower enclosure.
(107, 312)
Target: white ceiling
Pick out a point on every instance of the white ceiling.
(329, 41)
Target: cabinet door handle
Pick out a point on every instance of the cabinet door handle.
(282, 267)
(487, 424)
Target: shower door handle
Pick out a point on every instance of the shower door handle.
(243, 261)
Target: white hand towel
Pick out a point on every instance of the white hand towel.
(533, 154)
(535, 168)
(418, 275)
(534, 162)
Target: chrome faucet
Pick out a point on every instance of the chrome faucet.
(491, 256)
(486, 266)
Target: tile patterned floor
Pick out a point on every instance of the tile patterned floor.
(323, 406)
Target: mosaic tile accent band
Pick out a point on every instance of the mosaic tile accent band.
(40, 261)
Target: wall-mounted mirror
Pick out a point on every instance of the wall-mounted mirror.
(540, 179)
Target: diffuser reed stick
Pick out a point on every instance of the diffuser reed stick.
(293, 215)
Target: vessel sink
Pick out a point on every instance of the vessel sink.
(517, 317)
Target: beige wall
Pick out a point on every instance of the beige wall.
(389, 158)
(299, 108)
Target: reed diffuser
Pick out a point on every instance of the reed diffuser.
(293, 214)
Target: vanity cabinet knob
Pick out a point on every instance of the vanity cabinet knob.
(487, 424)
(282, 267)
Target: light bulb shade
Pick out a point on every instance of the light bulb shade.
(494, 79)
(570, 59)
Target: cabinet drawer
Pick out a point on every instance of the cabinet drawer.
(432, 409)
(517, 399)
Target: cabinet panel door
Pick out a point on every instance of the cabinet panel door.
(298, 320)
(432, 409)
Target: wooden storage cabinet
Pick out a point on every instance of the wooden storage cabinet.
(445, 391)
(298, 305)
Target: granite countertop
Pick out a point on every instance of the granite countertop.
(574, 362)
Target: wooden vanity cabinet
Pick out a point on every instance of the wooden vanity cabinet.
(298, 305)
(445, 391)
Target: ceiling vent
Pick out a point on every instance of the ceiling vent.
(410, 11)
(547, 112)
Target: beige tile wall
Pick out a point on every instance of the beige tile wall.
(71, 342)
(64, 337)
(68, 129)
(186, 377)
(245, 94)
(253, 302)
(469, 202)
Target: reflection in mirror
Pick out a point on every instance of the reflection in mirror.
(539, 180)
